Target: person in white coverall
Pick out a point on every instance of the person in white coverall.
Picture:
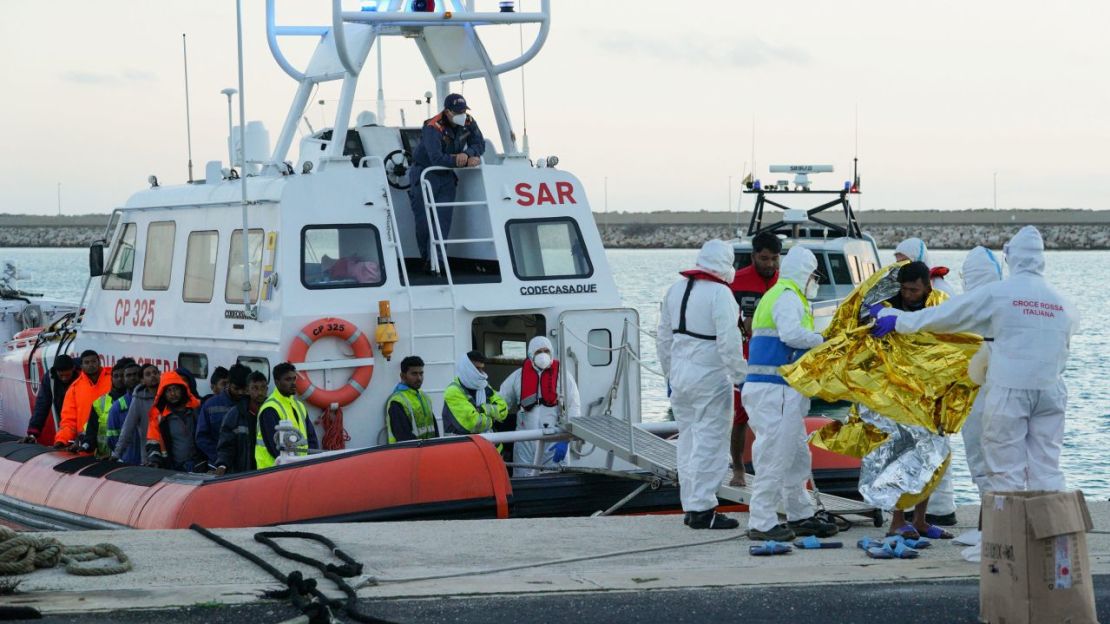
(533, 392)
(914, 250)
(782, 330)
(942, 503)
(698, 342)
(980, 268)
(1025, 400)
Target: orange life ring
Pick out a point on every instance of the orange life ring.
(359, 381)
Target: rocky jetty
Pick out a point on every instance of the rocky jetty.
(1062, 229)
(51, 231)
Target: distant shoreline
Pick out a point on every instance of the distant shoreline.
(1062, 229)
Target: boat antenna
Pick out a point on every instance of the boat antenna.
(855, 160)
(188, 120)
(381, 91)
(523, 97)
(245, 240)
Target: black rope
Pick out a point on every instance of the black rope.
(298, 588)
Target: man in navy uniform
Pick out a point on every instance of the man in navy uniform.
(450, 139)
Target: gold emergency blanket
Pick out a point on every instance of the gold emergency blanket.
(914, 379)
(911, 391)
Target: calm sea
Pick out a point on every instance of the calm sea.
(643, 276)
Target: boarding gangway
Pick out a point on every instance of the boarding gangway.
(636, 444)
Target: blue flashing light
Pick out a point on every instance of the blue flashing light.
(370, 5)
(758, 185)
(506, 7)
(847, 185)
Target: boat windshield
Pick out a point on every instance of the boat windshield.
(547, 248)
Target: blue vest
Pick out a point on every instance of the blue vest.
(766, 351)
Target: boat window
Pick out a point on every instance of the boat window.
(822, 268)
(857, 272)
(341, 256)
(600, 341)
(200, 266)
(254, 362)
(838, 267)
(514, 349)
(158, 255)
(195, 363)
(547, 248)
(118, 276)
(233, 293)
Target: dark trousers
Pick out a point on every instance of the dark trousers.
(444, 185)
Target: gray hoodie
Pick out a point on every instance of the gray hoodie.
(138, 416)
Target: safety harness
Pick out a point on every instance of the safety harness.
(691, 277)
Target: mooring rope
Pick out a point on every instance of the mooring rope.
(23, 553)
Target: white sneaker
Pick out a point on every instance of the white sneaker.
(969, 538)
(972, 554)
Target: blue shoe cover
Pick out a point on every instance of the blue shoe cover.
(768, 548)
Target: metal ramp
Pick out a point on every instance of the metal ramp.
(660, 457)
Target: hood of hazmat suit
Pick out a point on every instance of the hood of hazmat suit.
(717, 257)
(700, 352)
(798, 265)
(1025, 252)
(981, 267)
(915, 250)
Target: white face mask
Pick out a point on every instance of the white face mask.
(542, 360)
(811, 288)
(459, 120)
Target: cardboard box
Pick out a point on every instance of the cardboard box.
(1035, 566)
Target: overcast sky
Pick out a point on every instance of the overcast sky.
(660, 97)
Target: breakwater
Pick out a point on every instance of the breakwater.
(1062, 229)
(51, 231)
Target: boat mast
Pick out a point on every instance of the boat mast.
(247, 308)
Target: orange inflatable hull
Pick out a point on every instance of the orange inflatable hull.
(448, 476)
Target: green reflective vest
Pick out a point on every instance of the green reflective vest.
(103, 405)
(419, 408)
(288, 408)
(461, 417)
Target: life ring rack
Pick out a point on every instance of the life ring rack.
(363, 351)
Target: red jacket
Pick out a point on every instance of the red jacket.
(748, 287)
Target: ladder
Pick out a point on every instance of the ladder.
(423, 311)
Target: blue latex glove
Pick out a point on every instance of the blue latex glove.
(560, 451)
(884, 326)
(874, 309)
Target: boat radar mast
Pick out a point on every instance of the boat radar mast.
(444, 32)
(794, 220)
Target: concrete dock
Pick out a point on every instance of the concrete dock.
(550, 559)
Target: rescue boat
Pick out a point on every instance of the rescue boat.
(176, 282)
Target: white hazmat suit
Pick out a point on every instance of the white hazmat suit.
(540, 416)
(701, 355)
(980, 268)
(1025, 400)
(777, 412)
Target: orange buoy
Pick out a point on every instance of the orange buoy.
(359, 381)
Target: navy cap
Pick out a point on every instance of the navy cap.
(455, 103)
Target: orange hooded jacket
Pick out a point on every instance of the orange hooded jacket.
(78, 404)
(160, 409)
